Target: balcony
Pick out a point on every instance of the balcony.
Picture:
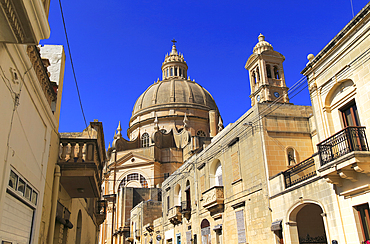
(213, 200)
(80, 164)
(174, 215)
(344, 156)
(186, 209)
(101, 210)
(300, 172)
(23, 21)
(350, 139)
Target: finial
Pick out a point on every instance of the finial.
(261, 37)
(119, 129)
(174, 50)
(185, 121)
(115, 135)
(310, 57)
(109, 145)
(220, 124)
(156, 127)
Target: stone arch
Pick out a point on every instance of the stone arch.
(340, 94)
(205, 231)
(344, 86)
(136, 170)
(306, 220)
(125, 182)
(215, 176)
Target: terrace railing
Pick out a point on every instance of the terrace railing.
(300, 172)
(352, 138)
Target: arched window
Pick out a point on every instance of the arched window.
(268, 70)
(291, 156)
(145, 140)
(186, 205)
(254, 77)
(168, 73)
(215, 173)
(180, 72)
(258, 74)
(176, 71)
(140, 180)
(276, 72)
(178, 195)
(205, 231)
(218, 175)
(201, 133)
(171, 71)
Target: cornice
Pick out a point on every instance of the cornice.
(41, 73)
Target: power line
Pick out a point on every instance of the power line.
(73, 69)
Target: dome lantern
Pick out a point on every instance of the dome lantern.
(174, 65)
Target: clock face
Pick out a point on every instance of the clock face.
(258, 98)
(276, 94)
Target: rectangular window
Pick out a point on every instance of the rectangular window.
(21, 186)
(13, 179)
(34, 197)
(240, 226)
(235, 166)
(350, 115)
(168, 203)
(27, 193)
(363, 216)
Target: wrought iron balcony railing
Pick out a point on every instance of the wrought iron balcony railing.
(352, 138)
(300, 172)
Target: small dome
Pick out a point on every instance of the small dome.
(174, 93)
(262, 45)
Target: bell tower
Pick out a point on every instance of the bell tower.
(266, 74)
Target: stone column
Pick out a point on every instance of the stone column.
(213, 123)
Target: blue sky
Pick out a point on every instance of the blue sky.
(118, 48)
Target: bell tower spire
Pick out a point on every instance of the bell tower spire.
(266, 74)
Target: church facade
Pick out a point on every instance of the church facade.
(172, 120)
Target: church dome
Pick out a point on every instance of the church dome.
(262, 45)
(174, 90)
(174, 93)
(174, 103)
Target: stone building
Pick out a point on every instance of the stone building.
(73, 208)
(220, 195)
(30, 107)
(326, 197)
(170, 121)
(281, 173)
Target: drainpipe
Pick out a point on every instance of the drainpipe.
(54, 201)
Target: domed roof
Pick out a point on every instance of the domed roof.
(174, 93)
(262, 45)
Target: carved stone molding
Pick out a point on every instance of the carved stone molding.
(42, 73)
(13, 20)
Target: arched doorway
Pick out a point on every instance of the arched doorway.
(205, 232)
(310, 226)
